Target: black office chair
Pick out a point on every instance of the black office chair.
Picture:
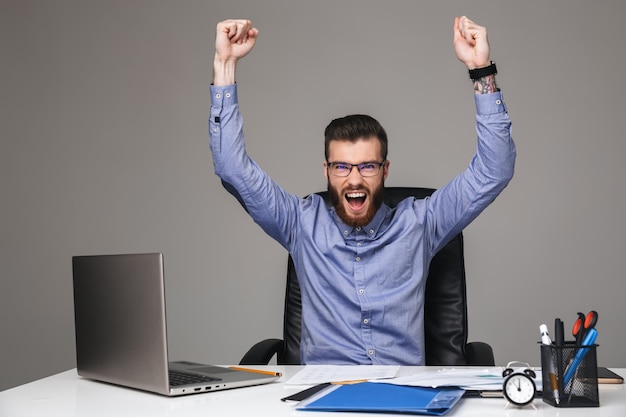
(445, 308)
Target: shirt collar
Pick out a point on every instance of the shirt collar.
(371, 229)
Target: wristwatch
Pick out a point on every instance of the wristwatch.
(478, 73)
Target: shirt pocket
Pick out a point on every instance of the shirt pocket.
(395, 261)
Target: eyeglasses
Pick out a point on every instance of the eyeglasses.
(343, 169)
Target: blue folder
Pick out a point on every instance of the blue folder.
(384, 398)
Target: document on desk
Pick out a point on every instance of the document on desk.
(479, 379)
(383, 398)
(319, 374)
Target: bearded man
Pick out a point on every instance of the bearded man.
(361, 265)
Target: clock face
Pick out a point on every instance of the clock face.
(519, 389)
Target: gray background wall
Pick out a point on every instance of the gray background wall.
(104, 150)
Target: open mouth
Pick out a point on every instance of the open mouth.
(356, 200)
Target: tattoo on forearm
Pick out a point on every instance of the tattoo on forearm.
(485, 85)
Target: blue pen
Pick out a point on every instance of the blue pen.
(589, 340)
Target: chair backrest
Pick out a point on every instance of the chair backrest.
(445, 308)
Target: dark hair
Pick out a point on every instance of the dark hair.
(354, 127)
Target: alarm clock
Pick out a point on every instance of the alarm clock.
(519, 386)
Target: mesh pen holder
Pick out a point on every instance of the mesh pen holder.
(566, 381)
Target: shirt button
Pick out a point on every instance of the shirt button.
(227, 95)
(370, 352)
(361, 291)
(359, 243)
(358, 229)
(498, 102)
(372, 232)
(365, 321)
(345, 232)
(358, 259)
(218, 95)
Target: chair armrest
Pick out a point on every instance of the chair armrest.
(479, 354)
(262, 352)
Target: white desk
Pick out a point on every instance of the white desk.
(66, 395)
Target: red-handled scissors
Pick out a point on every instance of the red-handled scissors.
(583, 324)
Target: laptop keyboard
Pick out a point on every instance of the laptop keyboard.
(180, 378)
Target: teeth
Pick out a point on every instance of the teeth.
(355, 195)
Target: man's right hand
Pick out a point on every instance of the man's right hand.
(234, 39)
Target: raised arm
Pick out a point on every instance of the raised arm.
(266, 202)
(472, 48)
(453, 206)
(234, 39)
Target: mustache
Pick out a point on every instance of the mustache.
(353, 188)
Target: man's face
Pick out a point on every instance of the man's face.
(356, 198)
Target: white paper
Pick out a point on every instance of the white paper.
(478, 379)
(318, 374)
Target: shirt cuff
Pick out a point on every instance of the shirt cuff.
(489, 103)
(223, 95)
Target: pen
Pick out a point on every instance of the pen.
(545, 337)
(349, 382)
(559, 333)
(590, 339)
(256, 371)
(554, 384)
(559, 341)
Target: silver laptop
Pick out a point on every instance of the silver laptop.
(119, 310)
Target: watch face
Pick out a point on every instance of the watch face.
(519, 389)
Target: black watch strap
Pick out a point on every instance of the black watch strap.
(478, 73)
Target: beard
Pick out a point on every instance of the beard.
(377, 196)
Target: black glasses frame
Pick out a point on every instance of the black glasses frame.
(359, 168)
